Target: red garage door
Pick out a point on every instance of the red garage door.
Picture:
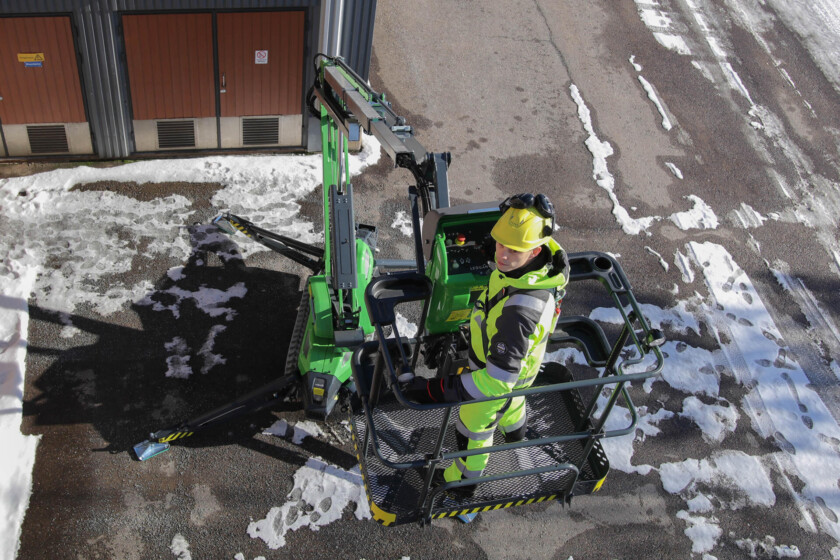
(170, 65)
(175, 87)
(261, 58)
(42, 110)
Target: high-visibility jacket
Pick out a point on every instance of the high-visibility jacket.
(510, 325)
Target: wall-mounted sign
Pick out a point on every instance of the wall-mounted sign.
(37, 64)
(260, 57)
(31, 57)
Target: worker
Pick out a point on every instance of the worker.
(509, 328)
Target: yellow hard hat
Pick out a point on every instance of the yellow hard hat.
(526, 223)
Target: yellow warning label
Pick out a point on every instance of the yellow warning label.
(459, 315)
(31, 57)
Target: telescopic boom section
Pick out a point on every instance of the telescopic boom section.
(352, 106)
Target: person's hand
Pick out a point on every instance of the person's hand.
(416, 390)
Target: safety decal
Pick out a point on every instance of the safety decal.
(459, 315)
(173, 437)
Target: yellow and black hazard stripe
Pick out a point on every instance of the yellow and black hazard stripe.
(240, 227)
(493, 507)
(173, 436)
(386, 518)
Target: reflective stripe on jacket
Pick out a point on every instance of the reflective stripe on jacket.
(509, 328)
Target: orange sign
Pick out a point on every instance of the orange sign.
(31, 57)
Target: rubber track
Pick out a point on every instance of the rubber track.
(297, 334)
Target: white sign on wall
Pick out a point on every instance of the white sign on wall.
(260, 57)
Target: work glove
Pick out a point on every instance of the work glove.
(560, 264)
(417, 390)
(437, 390)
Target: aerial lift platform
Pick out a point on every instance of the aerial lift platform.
(346, 345)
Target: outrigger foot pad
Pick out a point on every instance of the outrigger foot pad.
(148, 449)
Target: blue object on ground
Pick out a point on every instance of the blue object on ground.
(467, 517)
(149, 449)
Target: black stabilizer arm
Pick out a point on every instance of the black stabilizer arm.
(286, 246)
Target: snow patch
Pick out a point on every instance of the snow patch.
(620, 449)
(779, 400)
(817, 317)
(767, 548)
(603, 178)
(674, 169)
(321, 493)
(701, 216)
(714, 420)
(684, 266)
(704, 532)
(299, 431)
(406, 328)
(651, 93)
(402, 222)
(180, 547)
(662, 262)
(209, 300)
(672, 42)
(748, 217)
(178, 362)
(678, 318)
(210, 358)
(16, 474)
(97, 236)
(691, 369)
(743, 475)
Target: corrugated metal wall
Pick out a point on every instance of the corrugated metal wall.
(357, 34)
(104, 81)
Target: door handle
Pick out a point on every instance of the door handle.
(223, 89)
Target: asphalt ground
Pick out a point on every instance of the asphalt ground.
(490, 82)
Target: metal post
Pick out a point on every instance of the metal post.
(415, 224)
(435, 459)
(3, 137)
(339, 155)
(609, 368)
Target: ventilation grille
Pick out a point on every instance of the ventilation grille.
(48, 139)
(176, 134)
(260, 131)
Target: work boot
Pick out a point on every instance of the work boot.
(460, 493)
(516, 435)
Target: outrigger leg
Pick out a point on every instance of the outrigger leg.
(251, 403)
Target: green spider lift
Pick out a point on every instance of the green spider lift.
(347, 341)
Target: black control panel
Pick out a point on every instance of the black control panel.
(469, 247)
